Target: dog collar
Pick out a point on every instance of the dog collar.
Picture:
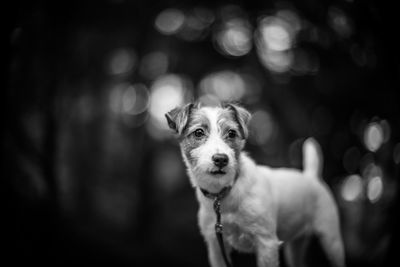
(214, 196)
(221, 194)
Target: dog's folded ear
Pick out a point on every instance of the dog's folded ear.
(178, 118)
(242, 116)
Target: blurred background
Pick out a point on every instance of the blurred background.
(91, 173)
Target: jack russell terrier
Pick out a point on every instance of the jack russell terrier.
(262, 207)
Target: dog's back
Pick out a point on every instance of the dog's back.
(306, 206)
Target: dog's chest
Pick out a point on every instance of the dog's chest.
(238, 237)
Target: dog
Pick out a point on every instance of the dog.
(265, 207)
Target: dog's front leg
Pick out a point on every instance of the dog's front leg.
(268, 252)
(214, 252)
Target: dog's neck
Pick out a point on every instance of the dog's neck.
(219, 195)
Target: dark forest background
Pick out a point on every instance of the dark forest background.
(90, 172)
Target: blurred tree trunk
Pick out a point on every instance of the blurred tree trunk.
(36, 42)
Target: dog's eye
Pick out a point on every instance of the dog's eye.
(199, 133)
(232, 134)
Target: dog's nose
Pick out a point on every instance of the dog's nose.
(220, 160)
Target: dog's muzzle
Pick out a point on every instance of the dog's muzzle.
(220, 161)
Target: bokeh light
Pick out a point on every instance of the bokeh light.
(154, 64)
(375, 189)
(130, 103)
(169, 21)
(352, 188)
(373, 136)
(275, 34)
(340, 22)
(116, 93)
(135, 99)
(371, 170)
(225, 85)
(197, 21)
(275, 38)
(129, 99)
(122, 61)
(205, 15)
(277, 61)
(167, 92)
(235, 37)
(374, 175)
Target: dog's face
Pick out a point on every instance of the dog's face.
(211, 139)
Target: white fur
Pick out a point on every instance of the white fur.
(265, 206)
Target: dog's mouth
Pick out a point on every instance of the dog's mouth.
(218, 172)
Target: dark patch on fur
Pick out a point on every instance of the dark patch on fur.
(188, 144)
(237, 148)
(188, 141)
(236, 143)
(241, 116)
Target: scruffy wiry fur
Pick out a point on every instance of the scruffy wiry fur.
(266, 207)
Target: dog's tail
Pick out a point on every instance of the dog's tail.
(312, 158)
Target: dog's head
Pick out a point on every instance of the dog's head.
(211, 139)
